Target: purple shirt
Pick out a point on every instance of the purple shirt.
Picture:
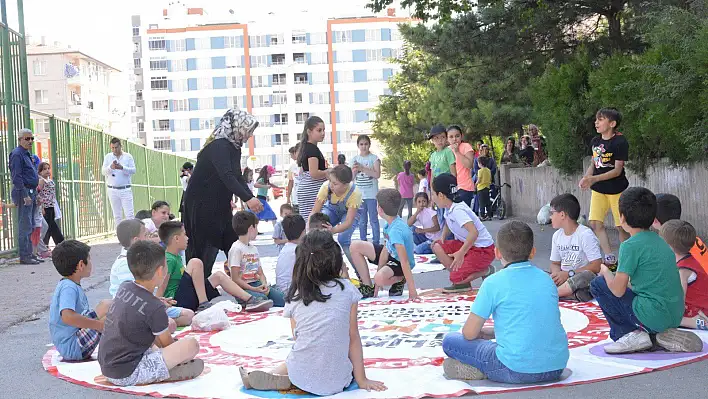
(405, 184)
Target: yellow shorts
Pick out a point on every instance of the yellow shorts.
(601, 203)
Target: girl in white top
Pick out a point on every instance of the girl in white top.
(160, 214)
(323, 314)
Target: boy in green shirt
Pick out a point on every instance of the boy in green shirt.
(192, 290)
(442, 160)
(654, 305)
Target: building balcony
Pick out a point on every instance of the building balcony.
(74, 109)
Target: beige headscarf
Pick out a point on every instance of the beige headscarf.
(236, 126)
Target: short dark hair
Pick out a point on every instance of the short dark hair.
(343, 173)
(127, 230)
(144, 257)
(422, 172)
(423, 195)
(363, 137)
(286, 207)
(680, 235)
(638, 206)
(389, 200)
(668, 207)
(159, 204)
(293, 226)
(611, 114)
(242, 221)
(187, 165)
(67, 255)
(143, 214)
(294, 148)
(169, 229)
(568, 204)
(515, 241)
(317, 220)
(455, 127)
(115, 140)
(484, 161)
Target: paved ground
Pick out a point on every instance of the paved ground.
(25, 292)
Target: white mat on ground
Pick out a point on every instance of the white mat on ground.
(402, 346)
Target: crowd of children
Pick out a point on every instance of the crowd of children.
(154, 292)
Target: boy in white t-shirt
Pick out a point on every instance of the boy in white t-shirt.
(425, 225)
(294, 230)
(470, 254)
(575, 251)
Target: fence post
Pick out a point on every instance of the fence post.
(7, 77)
(147, 178)
(72, 194)
(53, 156)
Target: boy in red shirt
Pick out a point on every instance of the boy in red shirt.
(681, 237)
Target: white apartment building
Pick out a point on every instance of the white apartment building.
(281, 68)
(72, 85)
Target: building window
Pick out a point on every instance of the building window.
(343, 36)
(318, 58)
(374, 55)
(301, 78)
(301, 117)
(373, 35)
(299, 58)
(396, 34)
(277, 40)
(280, 98)
(203, 63)
(259, 61)
(157, 43)
(320, 98)
(278, 59)
(141, 126)
(205, 83)
(298, 98)
(181, 125)
(278, 79)
(345, 76)
(206, 103)
(136, 47)
(136, 63)
(160, 105)
(39, 67)
(346, 116)
(261, 101)
(162, 143)
(41, 97)
(375, 75)
(139, 95)
(180, 105)
(282, 139)
(257, 41)
(318, 38)
(396, 53)
(344, 56)
(205, 124)
(179, 65)
(235, 101)
(180, 45)
(232, 42)
(136, 31)
(233, 61)
(319, 78)
(236, 82)
(41, 125)
(264, 121)
(161, 125)
(258, 81)
(299, 38)
(281, 119)
(202, 43)
(158, 83)
(158, 65)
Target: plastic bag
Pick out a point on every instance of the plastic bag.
(214, 318)
(544, 215)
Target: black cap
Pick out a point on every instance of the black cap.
(445, 184)
(435, 130)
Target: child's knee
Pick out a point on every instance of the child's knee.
(195, 263)
(171, 326)
(191, 346)
(187, 315)
(597, 285)
(359, 246)
(451, 340)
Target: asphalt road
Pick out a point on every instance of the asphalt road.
(25, 292)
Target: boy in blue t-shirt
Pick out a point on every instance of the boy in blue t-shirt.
(75, 328)
(531, 345)
(395, 259)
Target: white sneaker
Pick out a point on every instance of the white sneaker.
(636, 341)
(675, 340)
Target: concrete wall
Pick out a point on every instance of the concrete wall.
(531, 188)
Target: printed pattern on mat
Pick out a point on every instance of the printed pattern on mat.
(402, 346)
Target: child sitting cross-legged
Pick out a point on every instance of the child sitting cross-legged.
(136, 347)
(245, 263)
(294, 229)
(469, 256)
(322, 308)
(531, 345)
(395, 259)
(654, 305)
(425, 225)
(75, 328)
(188, 286)
(129, 231)
(575, 250)
(278, 233)
(681, 237)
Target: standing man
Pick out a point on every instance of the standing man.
(24, 194)
(118, 166)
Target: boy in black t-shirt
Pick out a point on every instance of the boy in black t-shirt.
(606, 178)
(136, 347)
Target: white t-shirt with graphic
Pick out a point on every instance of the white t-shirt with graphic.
(459, 215)
(247, 259)
(576, 250)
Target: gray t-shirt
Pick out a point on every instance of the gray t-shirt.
(134, 320)
(279, 234)
(319, 361)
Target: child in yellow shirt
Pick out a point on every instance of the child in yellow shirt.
(484, 181)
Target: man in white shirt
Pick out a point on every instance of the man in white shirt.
(118, 166)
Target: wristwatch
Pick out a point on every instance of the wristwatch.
(571, 273)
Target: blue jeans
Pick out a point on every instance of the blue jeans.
(618, 311)
(368, 207)
(422, 244)
(25, 222)
(482, 354)
(274, 294)
(344, 238)
(465, 196)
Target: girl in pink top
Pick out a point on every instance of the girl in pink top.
(405, 182)
(464, 162)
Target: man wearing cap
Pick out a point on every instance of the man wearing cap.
(118, 166)
(24, 194)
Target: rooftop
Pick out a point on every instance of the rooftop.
(43, 49)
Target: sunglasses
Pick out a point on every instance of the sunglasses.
(28, 138)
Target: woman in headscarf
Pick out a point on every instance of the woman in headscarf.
(216, 178)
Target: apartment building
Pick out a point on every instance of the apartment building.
(189, 69)
(73, 85)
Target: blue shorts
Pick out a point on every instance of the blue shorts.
(174, 312)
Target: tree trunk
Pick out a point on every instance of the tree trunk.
(615, 26)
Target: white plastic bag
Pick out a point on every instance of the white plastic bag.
(544, 215)
(214, 318)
